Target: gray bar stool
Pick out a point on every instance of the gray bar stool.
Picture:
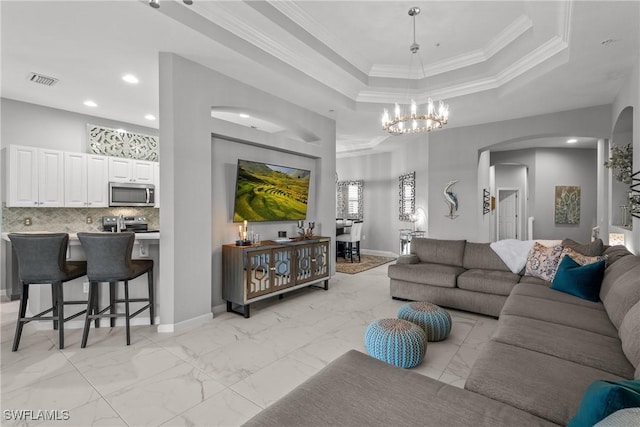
(42, 260)
(109, 260)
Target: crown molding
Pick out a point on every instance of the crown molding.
(541, 54)
(317, 30)
(507, 36)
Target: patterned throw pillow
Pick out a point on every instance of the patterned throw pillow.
(579, 258)
(542, 261)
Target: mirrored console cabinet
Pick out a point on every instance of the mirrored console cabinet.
(252, 273)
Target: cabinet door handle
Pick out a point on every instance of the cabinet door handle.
(272, 269)
(35, 203)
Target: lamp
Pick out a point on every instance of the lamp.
(410, 121)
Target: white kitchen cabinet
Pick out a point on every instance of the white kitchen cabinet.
(156, 180)
(97, 181)
(36, 177)
(120, 170)
(128, 170)
(86, 180)
(143, 171)
(75, 180)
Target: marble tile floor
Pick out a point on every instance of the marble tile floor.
(220, 373)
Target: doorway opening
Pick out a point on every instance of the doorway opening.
(508, 214)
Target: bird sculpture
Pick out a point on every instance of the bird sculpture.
(451, 198)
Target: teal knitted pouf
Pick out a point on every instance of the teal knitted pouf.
(396, 342)
(435, 321)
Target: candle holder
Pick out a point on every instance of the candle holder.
(242, 234)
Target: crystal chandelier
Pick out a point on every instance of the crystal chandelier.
(411, 121)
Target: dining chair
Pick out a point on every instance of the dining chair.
(351, 240)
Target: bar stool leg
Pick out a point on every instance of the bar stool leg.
(95, 303)
(113, 295)
(54, 305)
(21, 314)
(60, 304)
(93, 288)
(151, 298)
(126, 310)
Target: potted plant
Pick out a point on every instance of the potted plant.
(621, 161)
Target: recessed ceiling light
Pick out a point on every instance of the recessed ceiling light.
(130, 78)
(572, 141)
(90, 103)
(150, 117)
(244, 115)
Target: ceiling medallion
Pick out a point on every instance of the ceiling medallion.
(404, 121)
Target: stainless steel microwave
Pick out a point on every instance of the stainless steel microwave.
(126, 194)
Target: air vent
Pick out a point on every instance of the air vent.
(42, 79)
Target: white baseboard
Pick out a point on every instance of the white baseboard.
(379, 253)
(175, 327)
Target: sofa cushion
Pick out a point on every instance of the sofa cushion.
(535, 280)
(614, 253)
(595, 248)
(426, 273)
(543, 261)
(563, 313)
(480, 255)
(488, 281)
(582, 281)
(629, 333)
(537, 291)
(603, 398)
(358, 390)
(614, 271)
(544, 385)
(577, 345)
(623, 294)
(448, 252)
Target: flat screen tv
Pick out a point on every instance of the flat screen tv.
(266, 192)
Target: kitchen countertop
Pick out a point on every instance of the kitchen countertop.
(73, 237)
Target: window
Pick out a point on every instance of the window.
(407, 196)
(349, 200)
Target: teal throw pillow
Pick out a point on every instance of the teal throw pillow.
(603, 398)
(582, 281)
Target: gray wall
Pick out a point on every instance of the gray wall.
(44, 127)
(188, 91)
(224, 160)
(453, 154)
(380, 173)
(548, 168)
(629, 96)
(448, 154)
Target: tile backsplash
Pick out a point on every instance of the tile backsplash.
(69, 220)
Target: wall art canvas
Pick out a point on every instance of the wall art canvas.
(121, 143)
(567, 205)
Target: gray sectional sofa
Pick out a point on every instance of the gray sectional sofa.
(548, 348)
(453, 273)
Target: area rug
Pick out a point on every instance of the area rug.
(368, 262)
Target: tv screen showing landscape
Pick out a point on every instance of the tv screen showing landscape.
(266, 192)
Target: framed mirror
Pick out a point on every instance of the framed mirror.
(349, 200)
(407, 196)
